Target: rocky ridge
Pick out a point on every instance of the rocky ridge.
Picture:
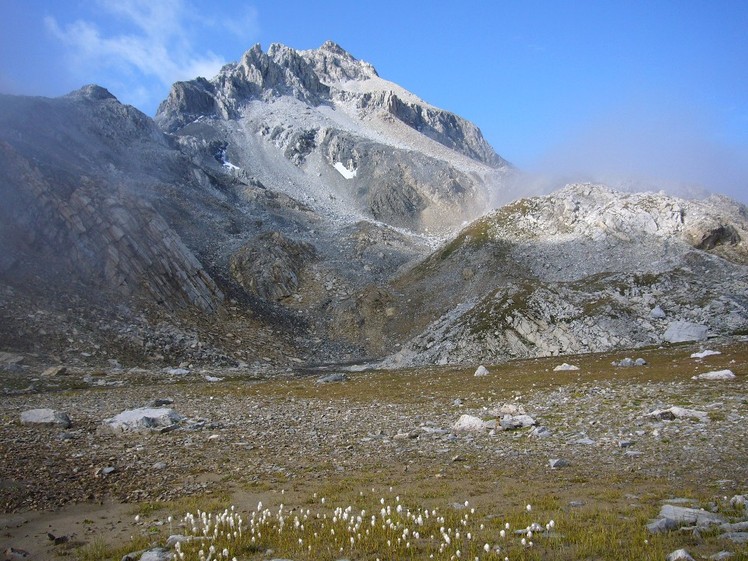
(585, 268)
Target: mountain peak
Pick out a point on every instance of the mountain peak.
(92, 91)
(328, 76)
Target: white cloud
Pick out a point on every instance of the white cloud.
(154, 41)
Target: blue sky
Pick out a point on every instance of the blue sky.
(654, 90)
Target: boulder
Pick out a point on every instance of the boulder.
(512, 422)
(682, 331)
(736, 537)
(332, 378)
(565, 368)
(738, 501)
(481, 371)
(629, 362)
(675, 412)
(156, 554)
(683, 516)
(507, 409)
(679, 555)
(469, 423)
(176, 371)
(144, 418)
(45, 417)
(8, 359)
(540, 432)
(715, 375)
(705, 353)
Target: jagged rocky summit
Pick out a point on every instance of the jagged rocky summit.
(298, 208)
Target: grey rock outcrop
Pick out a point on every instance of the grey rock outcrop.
(682, 331)
(270, 266)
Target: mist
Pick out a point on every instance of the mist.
(646, 148)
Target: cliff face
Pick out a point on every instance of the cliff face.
(378, 149)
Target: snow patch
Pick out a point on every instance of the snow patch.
(344, 171)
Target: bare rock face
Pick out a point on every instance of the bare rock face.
(356, 144)
(109, 240)
(270, 266)
(580, 271)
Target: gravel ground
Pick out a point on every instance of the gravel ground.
(290, 430)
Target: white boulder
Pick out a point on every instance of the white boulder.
(469, 423)
(715, 375)
(565, 368)
(144, 418)
(681, 331)
(481, 371)
(705, 353)
(45, 417)
(676, 412)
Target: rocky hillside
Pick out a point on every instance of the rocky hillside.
(298, 209)
(584, 269)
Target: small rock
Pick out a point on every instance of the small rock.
(540, 432)
(174, 539)
(156, 554)
(55, 371)
(457, 402)
(557, 463)
(565, 368)
(657, 313)
(679, 555)
(58, 540)
(739, 500)
(661, 525)
(481, 371)
(586, 441)
(629, 362)
(721, 556)
(332, 378)
(507, 409)
(212, 378)
(12, 553)
(45, 417)
(161, 401)
(176, 371)
(625, 443)
(715, 375)
(159, 465)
